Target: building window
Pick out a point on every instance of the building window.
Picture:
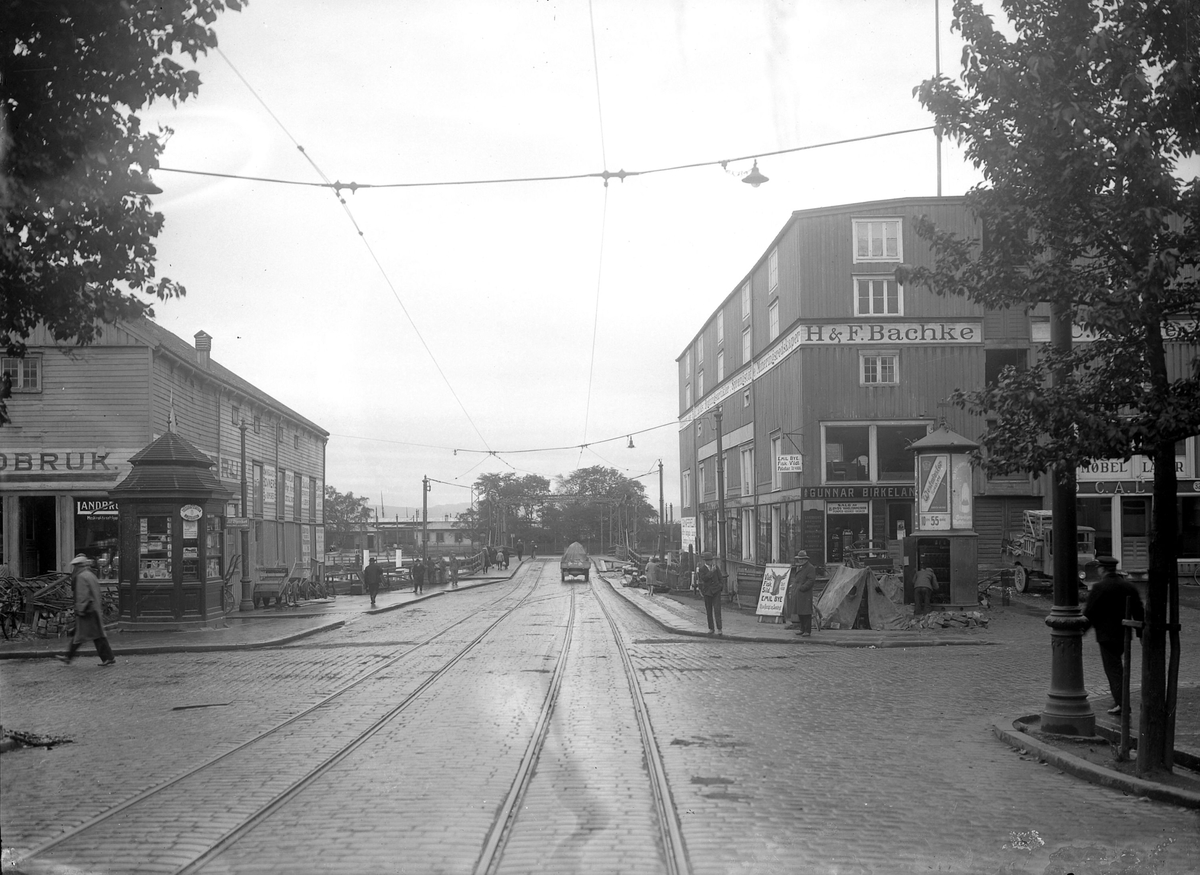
(686, 487)
(25, 374)
(700, 350)
(721, 329)
(746, 398)
(701, 482)
(296, 441)
(257, 424)
(746, 345)
(258, 489)
(878, 369)
(439, 538)
(748, 471)
(746, 300)
(297, 496)
(776, 452)
(773, 270)
(847, 453)
(458, 537)
(687, 396)
(720, 365)
(773, 320)
(699, 428)
(700, 383)
(892, 449)
(877, 296)
(687, 365)
(235, 415)
(996, 360)
(877, 240)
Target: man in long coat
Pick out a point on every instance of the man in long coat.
(798, 602)
(1105, 613)
(89, 612)
(372, 576)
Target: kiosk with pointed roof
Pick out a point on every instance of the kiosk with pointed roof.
(172, 510)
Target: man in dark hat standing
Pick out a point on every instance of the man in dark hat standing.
(711, 580)
(89, 616)
(372, 576)
(798, 602)
(1105, 611)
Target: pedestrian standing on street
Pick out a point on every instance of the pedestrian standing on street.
(372, 576)
(454, 572)
(923, 583)
(1105, 611)
(502, 555)
(520, 550)
(712, 586)
(652, 575)
(89, 617)
(799, 599)
(418, 575)
(533, 550)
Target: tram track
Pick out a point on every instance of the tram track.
(31, 860)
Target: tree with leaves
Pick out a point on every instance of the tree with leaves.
(508, 508)
(79, 225)
(1081, 123)
(618, 497)
(345, 514)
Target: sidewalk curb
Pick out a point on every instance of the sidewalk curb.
(828, 637)
(1090, 772)
(156, 649)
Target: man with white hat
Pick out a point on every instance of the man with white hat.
(89, 618)
(798, 602)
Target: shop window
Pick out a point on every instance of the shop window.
(24, 374)
(847, 453)
(748, 471)
(895, 457)
(97, 535)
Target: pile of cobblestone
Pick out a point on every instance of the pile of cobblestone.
(949, 620)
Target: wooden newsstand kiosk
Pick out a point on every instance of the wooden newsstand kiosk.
(171, 509)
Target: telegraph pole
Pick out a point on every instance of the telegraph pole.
(720, 490)
(424, 517)
(661, 509)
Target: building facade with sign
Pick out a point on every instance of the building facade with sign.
(825, 370)
(79, 414)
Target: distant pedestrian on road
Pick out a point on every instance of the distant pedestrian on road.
(652, 575)
(520, 550)
(923, 583)
(454, 572)
(418, 575)
(1104, 610)
(502, 556)
(712, 585)
(372, 576)
(798, 601)
(89, 612)
(532, 550)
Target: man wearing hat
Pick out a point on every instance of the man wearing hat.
(1105, 611)
(89, 619)
(711, 580)
(798, 601)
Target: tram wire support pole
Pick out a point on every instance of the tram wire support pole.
(660, 510)
(247, 600)
(1067, 710)
(425, 522)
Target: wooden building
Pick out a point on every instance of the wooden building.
(79, 414)
(825, 369)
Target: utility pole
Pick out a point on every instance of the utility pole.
(424, 518)
(661, 510)
(717, 414)
(247, 600)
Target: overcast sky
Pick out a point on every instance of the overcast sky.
(475, 329)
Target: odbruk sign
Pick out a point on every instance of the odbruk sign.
(63, 464)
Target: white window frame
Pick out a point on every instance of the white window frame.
(26, 372)
(685, 484)
(746, 398)
(700, 383)
(747, 345)
(687, 396)
(720, 365)
(687, 365)
(701, 482)
(862, 226)
(773, 270)
(746, 300)
(776, 452)
(773, 319)
(870, 311)
(700, 350)
(748, 470)
(720, 329)
(878, 360)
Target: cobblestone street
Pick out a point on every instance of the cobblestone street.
(497, 728)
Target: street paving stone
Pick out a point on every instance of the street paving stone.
(782, 755)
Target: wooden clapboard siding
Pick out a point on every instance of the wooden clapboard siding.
(91, 396)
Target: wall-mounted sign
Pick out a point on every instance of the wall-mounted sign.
(191, 512)
(95, 507)
(790, 463)
(858, 493)
(846, 508)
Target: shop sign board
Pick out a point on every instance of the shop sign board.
(773, 591)
(687, 528)
(95, 507)
(846, 508)
(933, 500)
(790, 463)
(859, 493)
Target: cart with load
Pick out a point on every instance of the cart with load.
(575, 563)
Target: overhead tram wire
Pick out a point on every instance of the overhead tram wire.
(363, 237)
(587, 406)
(604, 175)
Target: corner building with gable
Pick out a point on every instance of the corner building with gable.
(825, 370)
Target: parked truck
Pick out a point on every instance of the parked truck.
(1031, 553)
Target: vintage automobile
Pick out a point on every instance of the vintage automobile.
(575, 563)
(1031, 553)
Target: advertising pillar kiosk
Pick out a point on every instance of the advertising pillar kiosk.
(944, 539)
